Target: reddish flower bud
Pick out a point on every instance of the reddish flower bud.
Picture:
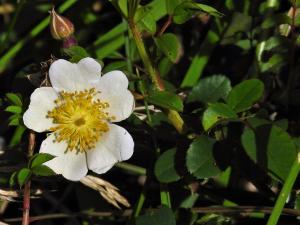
(60, 26)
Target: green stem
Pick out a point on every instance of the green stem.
(131, 168)
(144, 56)
(173, 116)
(5, 59)
(165, 198)
(139, 205)
(127, 51)
(284, 193)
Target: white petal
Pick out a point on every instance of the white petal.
(116, 80)
(113, 89)
(74, 77)
(114, 146)
(41, 101)
(71, 165)
(90, 67)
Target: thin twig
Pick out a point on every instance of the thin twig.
(165, 26)
(243, 209)
(26, 199)
(128, 212)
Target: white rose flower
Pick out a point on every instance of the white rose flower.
(79, 110)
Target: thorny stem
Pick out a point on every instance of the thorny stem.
(173, 116)
(26, 198)
(144, 55)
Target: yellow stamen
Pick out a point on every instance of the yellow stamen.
(80, 119)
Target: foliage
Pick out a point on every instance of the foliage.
(216, 121)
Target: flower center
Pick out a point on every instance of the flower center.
(79, 122)
(80, 119)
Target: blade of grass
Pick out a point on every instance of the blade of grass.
(200, 61)
(284, 193)
(12, 24)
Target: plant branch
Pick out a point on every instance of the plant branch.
(173, 116)
(26, 198)
(144, 56)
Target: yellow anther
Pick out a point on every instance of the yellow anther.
(80, 119)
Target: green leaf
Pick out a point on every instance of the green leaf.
(142, 12)
(14, 121)
(189, 202)
(13, 178)
(208, 9)
(123, 6)
(240, 23)
(148, 23)
(182, 14)
(17, 136)
(164, 67)
(42, 170)
(276, 20)
(166, 100)
(216, 112)
(162, 216)
(210, 89)
(117, 65)
(145, 19)
(164, 168)
(76, 53)
(187, 9)
(40, 158)
(14, 99)
(200, 161)
(172, 4)
(272, 147)
(170, 45)
(14, 109)
(199, 61)
(23, 176)
(245, 94)
(274, 63)
(283, 124)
